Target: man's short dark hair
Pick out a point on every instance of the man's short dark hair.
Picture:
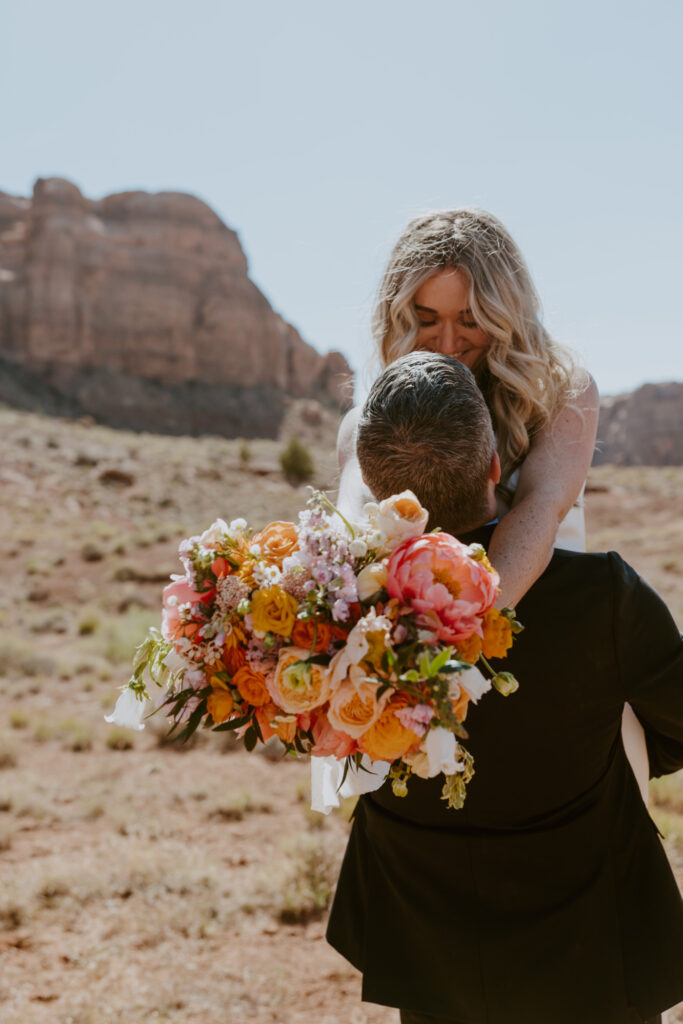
(425, 426)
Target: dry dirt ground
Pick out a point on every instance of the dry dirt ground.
(140, 882)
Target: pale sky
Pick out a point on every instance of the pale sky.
(317, 130)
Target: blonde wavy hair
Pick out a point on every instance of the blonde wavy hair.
(525, 376)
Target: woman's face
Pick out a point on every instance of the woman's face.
(442, 303)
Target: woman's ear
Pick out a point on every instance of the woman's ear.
(494, 472)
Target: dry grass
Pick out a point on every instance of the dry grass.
(137, 885)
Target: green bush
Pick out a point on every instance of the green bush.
(296, 462)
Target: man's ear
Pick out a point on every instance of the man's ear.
(494, 472)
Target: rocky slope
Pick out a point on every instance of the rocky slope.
(138, 310)
(643, 428)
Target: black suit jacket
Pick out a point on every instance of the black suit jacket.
(548, 897)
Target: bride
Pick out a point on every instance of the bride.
(457, 284)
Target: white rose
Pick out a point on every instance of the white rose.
(212, 537)
(371, 579)
(401, 516)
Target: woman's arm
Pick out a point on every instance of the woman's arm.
(353, 493)
(550, 481)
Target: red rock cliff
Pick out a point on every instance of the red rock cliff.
(138, 309)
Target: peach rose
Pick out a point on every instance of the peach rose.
(435, 576)
(304, 633)
(277, 541)
(252, 686)
(274, 611)
(220, 705)
(354, 705)
(298, 685)
(388, 739)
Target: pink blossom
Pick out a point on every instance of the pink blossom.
(416, 718)
(436, 578)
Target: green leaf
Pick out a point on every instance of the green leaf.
(232, 723)
(250, 739)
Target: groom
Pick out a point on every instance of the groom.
(548, 898)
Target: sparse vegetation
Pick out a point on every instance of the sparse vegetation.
(296, 462)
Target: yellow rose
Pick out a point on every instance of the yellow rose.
(298, 684)
(497, 634)
(274, 611)
(470, 649)
(219, 705)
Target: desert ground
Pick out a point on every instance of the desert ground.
(143, 882)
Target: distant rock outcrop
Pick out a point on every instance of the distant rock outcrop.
(643, 428)
(137, 309)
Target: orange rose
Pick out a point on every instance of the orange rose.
(233, 659)
(219, 705)
(470, 649)
(252, 686)
(304, 633)
(388, 739)
(497, 634)
(264, 716)
(277, 542)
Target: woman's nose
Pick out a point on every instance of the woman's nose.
(445, 338)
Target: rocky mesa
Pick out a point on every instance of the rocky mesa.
(642, 428)
(137, 309)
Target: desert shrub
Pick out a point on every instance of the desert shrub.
(8, 753)
(88, 625)
(18, 718)
(307, 888)
(296, 462)
(245, 453)
(119, 738)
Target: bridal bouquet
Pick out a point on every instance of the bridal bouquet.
(360, 642)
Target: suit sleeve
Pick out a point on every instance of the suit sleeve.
(649, 650)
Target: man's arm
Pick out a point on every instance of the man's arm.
(650, 660)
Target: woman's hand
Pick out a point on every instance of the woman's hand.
(550, 481)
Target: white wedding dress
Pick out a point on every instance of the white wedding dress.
(327, 772)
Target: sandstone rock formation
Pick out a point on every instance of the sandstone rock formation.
(138, 310)
(643, 428)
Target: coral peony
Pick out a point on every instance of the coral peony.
(178, 593)
(329, 742)
(436, 577)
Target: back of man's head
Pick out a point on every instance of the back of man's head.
(425, 426)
